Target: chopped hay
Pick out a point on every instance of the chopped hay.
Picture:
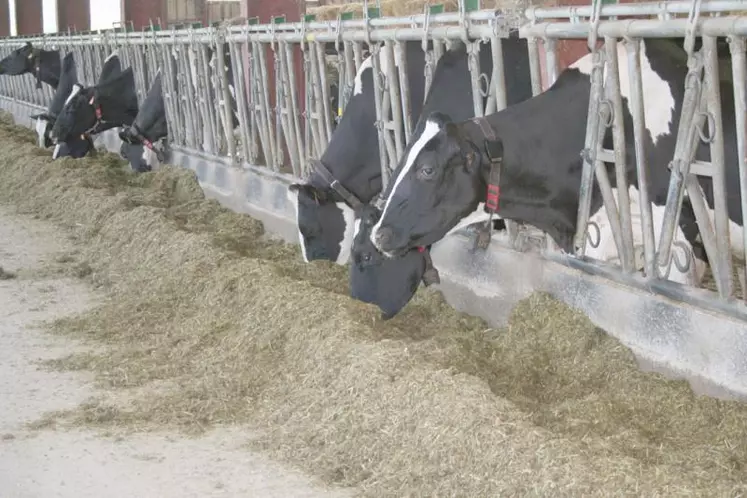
(209, 322)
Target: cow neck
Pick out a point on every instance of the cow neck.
(151, 118)
(47, 67)
(323, 179)
(541, 169)
(67, 81)
(110, 101)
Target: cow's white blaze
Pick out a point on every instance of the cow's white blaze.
(348, 215)
(150, 158)
(293, 198)
(352, 226)
(41, 126)
(356, 228)
(657, 97)
(76, 90)
(56, 151)
(430, 130)
(607, 250)
(384, 63)
(113, 54)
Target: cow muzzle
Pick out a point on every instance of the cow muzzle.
(385, 240)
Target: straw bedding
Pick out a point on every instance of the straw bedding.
(207, 321)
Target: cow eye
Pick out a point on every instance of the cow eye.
(367, 257)
(426, 172)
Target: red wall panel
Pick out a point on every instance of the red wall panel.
(141, 11)
(29, 17)
(4, 17)
(73, 14)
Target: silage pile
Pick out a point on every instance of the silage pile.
(207, 322)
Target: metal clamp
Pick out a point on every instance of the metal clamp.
(589, 239)
(683, 267)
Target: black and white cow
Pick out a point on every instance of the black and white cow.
(443, 176)
(325, 222)
(141, 141)
(43, 64)
(390, 279)
(78, 146)
(45, 120)
(111, 103)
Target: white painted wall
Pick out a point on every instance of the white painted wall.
(49, 16)
(13, 25)
(104, 13)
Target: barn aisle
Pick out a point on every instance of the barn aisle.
(41, 459)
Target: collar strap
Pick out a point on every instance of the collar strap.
(430, 276)
(349, 198)
(99, 115)
(136, 133)
(494, 152)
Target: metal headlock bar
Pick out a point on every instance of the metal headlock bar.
(289, 127)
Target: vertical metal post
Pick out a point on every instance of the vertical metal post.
(627, 255)
(392, 83)
(400, 56)
(534, 66)
(298, 141)
(739, 74)
(633, 47)
(227, 110)
(721, 213)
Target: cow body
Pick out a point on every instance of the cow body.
(443, 176)
(110, 104)
(45, 65)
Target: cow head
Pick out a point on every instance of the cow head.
(437, 183)
(325, 224)
(76, 148)
(44, 64)
(141, 141)
(20, 61)
(90, 110)
(388, 283)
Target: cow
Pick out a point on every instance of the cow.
(141, 140)
(78, 146)
(324, 220)
(111, 103)
(352, 156)
(45, 120)
(444, 175)
(43, 64)
(389, 279)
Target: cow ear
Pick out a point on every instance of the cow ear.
(440, 119)
(310, 191)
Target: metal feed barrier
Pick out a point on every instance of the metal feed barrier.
(694, 332)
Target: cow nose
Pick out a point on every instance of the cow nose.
(384, 236)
